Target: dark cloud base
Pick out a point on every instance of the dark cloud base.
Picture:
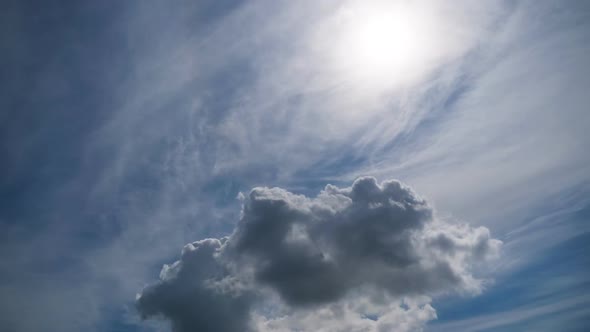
(316, 252)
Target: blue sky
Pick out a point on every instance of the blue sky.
(129, 129)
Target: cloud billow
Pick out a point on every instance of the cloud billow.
(344, 245)
(184, 297)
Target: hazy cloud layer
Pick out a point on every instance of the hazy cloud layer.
(351, 252)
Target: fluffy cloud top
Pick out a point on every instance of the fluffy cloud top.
(373, 244)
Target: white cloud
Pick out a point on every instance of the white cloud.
(354, 315)
(518, 122)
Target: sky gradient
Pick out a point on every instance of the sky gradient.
(301, 165)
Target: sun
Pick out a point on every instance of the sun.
(384, 42)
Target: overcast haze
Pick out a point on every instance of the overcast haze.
(335, 166)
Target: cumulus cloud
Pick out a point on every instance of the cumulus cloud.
(358, 313)
(361, 258)
(185, 294)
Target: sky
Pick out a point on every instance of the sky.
(335, 166)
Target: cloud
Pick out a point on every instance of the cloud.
(185, 297)
(521, 98)
(359, 314)
(344, 251)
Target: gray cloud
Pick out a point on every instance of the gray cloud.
(185, 296)
(344, 244)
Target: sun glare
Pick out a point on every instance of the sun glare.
(386, 43)
(382, 41)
